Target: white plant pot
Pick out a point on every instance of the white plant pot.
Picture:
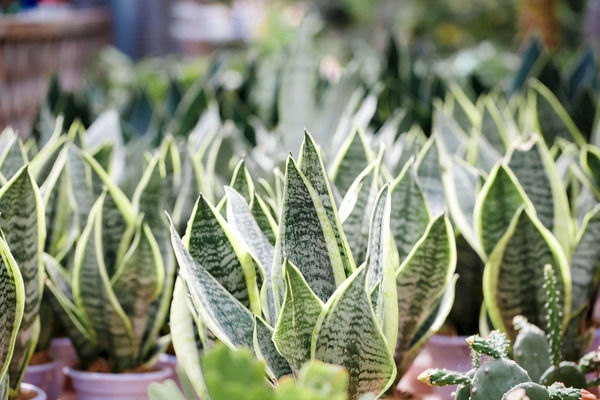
(100, 386)
(39, 393)
(48, 377)
(62, 350)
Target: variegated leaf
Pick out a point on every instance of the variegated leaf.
(241, 219)
(356, 209)
(229, 320)
(311, 165)
(499, 199)
(381, 267)
(585, 261)
(535, 170)
(353, 157)
(22, 220)
(94, 296)
(184, 334)
(297, 320)
(214, 245)
(306, 238)
(241, 181)
(139, 280)
(12, 302)
(349, 334)
(492, 124)
(265, 349)
(409, 214)
(422, 278)
(454, 139)
(13, 155)
(4, 387)
(430, 176)
(264, 219)
(513, 279)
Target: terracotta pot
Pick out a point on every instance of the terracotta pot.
(130, 386)
(48, 377)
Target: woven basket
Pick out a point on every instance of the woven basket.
(31, 50)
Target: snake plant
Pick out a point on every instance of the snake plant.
(246, 292)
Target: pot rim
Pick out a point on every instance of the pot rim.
(42, 367)
(162, 372)
(39, 393)
(455, 340)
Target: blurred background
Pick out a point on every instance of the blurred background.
(478, 40)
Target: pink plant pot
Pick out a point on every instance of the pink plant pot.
(48, 377)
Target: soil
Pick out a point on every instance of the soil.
(42, 357)
(102, 366)
(26, 395)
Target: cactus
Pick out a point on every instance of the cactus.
(531, 348)
(527, 390)
(495, 378)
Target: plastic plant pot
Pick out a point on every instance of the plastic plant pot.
(47, 377)
(39, 393)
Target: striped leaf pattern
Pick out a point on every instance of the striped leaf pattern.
(356, 209)
(264, 347)
(94, 296)
(430, 176)
(349, 334)
(409, 214)
(585, 261)
(492, 125)
(212, 244)
(264, 219)
(306, 238)
(311, 165)
(513, 279)
(381, 267)
(229, 320)
(241, 219)
(184, 334)
(422, 278)
(13, 156)
(299, 313)
(12, 302)
(22, 219)
(139, 280)
(535, 169)
(242, 182)
(354, 156)
(499, 199)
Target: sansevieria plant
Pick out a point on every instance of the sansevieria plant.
(304, 298)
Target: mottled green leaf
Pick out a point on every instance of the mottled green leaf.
(492, 125)
(585, 261)
(306, 238)
(353, 157)
(349, 334)
(242, 182)
(12, 154)
(264, 346)
(513, 280)
(264, 219)
(429, 174)
(297, 320)
(213, 244)
(311, 166)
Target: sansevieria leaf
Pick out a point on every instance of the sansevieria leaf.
(499, 199)
(265, 349)
(12, 302)
(354, 156)
(229, 320)
(241, 219)
(214, 245)
(349, 334)
(311, 165)
(297, 320)
(94, 295)
(513, 279)
(22, 220)
(422, 278)
(306, 238)
(409, 215)
(242, 182)
(12, 154)
(429, 174)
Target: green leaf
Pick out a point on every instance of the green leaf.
(422, 278)
(493, 125)
(184, 334)
(513, 279)
(22, 219)
(311, 166)
(12, 302)
(553, 120)
(264, 219)
(297, 320)
(167, 390)
(94, 296)
(306, 238)
(242, 182)
(409, 214)
(585, 262)
(354, 156)
(536, 172)
(190, 109)
(139, 280)
(499, 199)
(349, 334)
(213, 244)
(430, 176)
(241, 219)
(12, 154)
(264, 346)
(381, 267)
(229, 320)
